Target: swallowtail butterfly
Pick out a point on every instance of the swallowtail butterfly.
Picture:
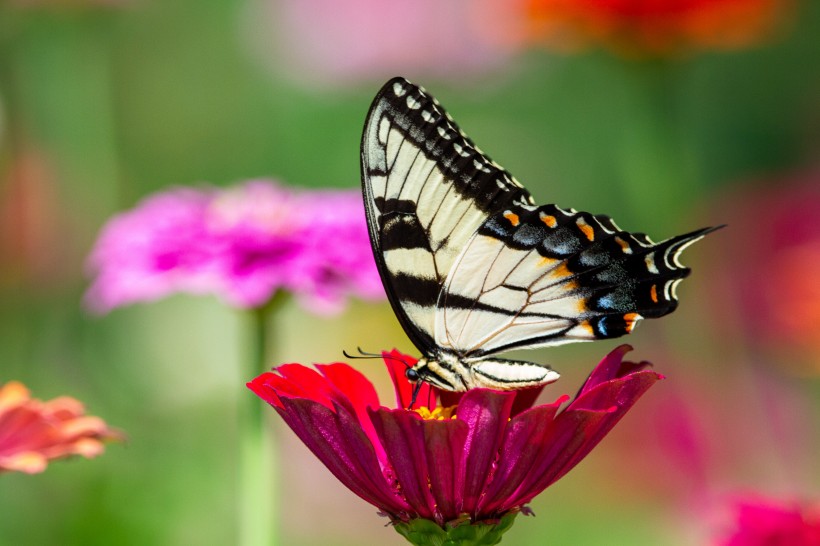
(472, 267)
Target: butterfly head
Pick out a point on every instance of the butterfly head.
(436, 372)
(412, 375)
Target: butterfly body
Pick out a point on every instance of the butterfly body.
(450, 372)
(472, 267)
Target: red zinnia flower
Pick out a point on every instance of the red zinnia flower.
(485, 456)
(653, 26)
(33, 432)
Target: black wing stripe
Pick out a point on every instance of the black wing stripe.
(427, 188)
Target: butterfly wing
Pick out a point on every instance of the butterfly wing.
(427, 189)
(532, 277)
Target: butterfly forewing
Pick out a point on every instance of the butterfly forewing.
(427, 189)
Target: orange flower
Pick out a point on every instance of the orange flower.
(651, 27)
(32, 432)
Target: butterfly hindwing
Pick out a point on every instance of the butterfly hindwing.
(427, 189)
(531, 277)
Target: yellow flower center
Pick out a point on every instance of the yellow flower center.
(438, 414)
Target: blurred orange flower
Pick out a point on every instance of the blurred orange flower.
(32, 432)
(651, 27)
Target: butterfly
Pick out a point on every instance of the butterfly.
(473, 267)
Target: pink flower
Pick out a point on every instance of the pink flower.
(486, 456)
(33, 432)
(318, 41)
(243, 244)
(767, 522)
(769, 286)
(335, 253)
(159, 248)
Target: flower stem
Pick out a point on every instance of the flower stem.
(659, 173)
(257, 491)
(423, 532)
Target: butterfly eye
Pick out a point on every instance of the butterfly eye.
(412, 375)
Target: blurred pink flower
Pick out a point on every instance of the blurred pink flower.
(158, 248)
(243, 244)
(321, 41)
(767, 522)
(33, 432)
(771, 254)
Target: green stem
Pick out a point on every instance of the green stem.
(423, 532)
(658, 176)
(257, 491)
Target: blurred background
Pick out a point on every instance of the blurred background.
(666, 118)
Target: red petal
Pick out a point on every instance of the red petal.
(264, 388)
(360, 394)
(486, 413)
(524, 441)
(402, 435)
(336, 438)
(565, 437)
(580, 427)
(616, 392)
(444, 446)
(525, 398)
(352, 383)
(607, 369)
(305, 383)
(264, 391)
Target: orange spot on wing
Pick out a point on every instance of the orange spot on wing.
(588, 327)
(631, 319)
(546, 261)
(624, 245)
(549, 220)
(562, 271)
(587, 230)
(653, 293)
(512, 217)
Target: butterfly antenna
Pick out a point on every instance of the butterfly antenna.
(362, 354)
(365, 355)
(416, 390)
(348, 355)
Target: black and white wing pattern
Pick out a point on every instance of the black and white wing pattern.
(532, 277)
(472, 267)
(427, 189)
